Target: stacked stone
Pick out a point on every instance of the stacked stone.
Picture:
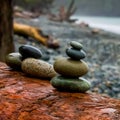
(71, 69)
(28, 59)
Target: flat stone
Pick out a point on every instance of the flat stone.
(28, 51)
(75, 54)
(26, 98)
(70, 68)
(70, 84)
(38, 68)
(14, 60)
(76, 45)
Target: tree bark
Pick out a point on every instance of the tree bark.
(6, 28)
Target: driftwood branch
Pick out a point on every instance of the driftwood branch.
(65, 14)
(69, 11)
(36, 33)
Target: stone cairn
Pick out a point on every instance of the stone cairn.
(28, 60)
(71, 69)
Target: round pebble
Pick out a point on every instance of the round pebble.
(69, 67)
(28, 51)
(38, 68)
(45, 57)
(75, 54)
(70, 84)
(76, 45)
(14, 60)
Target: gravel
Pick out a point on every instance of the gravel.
(102, 49)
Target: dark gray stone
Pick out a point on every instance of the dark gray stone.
(28, 51)
(75, 54)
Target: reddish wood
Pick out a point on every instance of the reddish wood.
(25, 98)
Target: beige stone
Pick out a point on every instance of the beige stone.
(38, 68)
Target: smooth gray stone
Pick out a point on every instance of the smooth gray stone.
(76, 45)
(14, 60)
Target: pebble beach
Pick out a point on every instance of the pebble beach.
(102, 51)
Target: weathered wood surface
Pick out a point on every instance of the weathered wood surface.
(30, 31)
(35, 33)
(24, 98)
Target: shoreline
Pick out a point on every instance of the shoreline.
(101, 22)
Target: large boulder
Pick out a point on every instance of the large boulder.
(25, 98)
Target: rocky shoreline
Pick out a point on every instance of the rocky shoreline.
(102, 47)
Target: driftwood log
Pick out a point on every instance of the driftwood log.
(25, 98)
(35, 33)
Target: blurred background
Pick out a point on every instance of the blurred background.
(93, 23)
(84, 7)
(98, 13)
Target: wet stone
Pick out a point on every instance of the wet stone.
(38, 68)
(75, 54)
(76, 45)
(45, 57)
(70, 68)
(28, 51)
(70, 84)
(14, 60)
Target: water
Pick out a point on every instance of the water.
(111, 24)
